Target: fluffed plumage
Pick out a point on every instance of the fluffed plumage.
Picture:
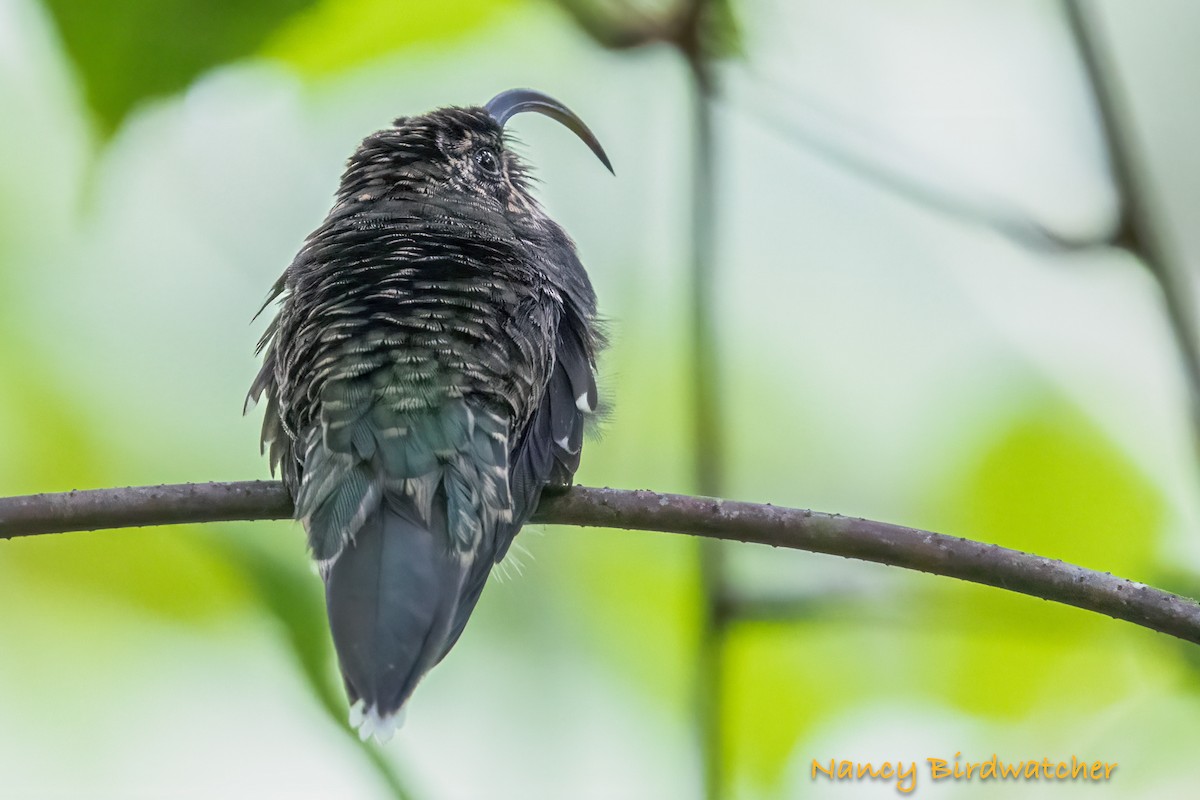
(428, 374)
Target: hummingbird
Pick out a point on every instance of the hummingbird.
(428, 374)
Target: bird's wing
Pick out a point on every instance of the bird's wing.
(546, 452)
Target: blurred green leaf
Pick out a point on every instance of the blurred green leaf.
(126, 51)
(1052, 483)
(338, 34)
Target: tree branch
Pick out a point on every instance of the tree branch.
(797, 529)
(137, 506)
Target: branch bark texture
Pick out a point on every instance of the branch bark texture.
(796, 529)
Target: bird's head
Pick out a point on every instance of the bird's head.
(453, 155)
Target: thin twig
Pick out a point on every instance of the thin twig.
(729, 520)
(896, 169)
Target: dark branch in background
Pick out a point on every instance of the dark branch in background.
(634, 29)
(728, 520)
(1140, 230)
(707, 432)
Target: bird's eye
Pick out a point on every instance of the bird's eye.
(487, 160)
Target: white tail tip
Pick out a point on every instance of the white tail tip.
(369, 722)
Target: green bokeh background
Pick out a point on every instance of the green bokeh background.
(160, 162)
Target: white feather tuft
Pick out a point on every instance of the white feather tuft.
(370, 722)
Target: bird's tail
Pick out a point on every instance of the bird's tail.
(393, 594)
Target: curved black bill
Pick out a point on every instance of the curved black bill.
(503, 106)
